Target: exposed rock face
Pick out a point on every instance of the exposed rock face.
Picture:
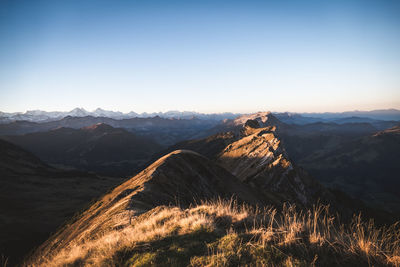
(394, 131)
(262, 118)
(259, 159)
(254, 152)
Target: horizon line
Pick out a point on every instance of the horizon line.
(206, 113)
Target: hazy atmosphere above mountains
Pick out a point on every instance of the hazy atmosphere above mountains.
(207, 56)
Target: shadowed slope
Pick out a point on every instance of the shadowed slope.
(36, 199)
(367, 168)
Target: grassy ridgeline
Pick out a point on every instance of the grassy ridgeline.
(221, 233)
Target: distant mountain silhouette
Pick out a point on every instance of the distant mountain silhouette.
(379, 114)
(45, 116)
(99, 147)
(379, 120)
(164, 131)
(287, 117)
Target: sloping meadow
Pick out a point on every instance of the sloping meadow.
(223, 233)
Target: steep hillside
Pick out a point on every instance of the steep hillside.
(36, 199)
(179, 178)
(100, 148)
(366, 168)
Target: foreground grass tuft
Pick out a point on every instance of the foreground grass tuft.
(222, 233)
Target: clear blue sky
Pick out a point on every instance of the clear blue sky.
(207, 56)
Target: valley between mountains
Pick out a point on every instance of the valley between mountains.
(226, 194)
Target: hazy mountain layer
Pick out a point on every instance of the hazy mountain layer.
(45, 116)
(100, 148)
(164, 131)
(287, 117)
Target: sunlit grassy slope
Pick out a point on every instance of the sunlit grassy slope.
(222, 233)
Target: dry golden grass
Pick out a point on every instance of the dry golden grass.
(3, 261)
(222, 233)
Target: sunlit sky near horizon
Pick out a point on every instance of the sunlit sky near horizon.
(205, 56)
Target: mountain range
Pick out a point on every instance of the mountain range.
(379, 114)
(43, 116)
(249, 164)
(310, 146)
(256, 161)
(164, 131)
(288, 117)
(99, 148)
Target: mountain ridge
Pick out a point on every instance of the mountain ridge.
(289, 117)
(45, 116)
(100, 148)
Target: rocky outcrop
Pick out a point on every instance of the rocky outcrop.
(259, 159)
